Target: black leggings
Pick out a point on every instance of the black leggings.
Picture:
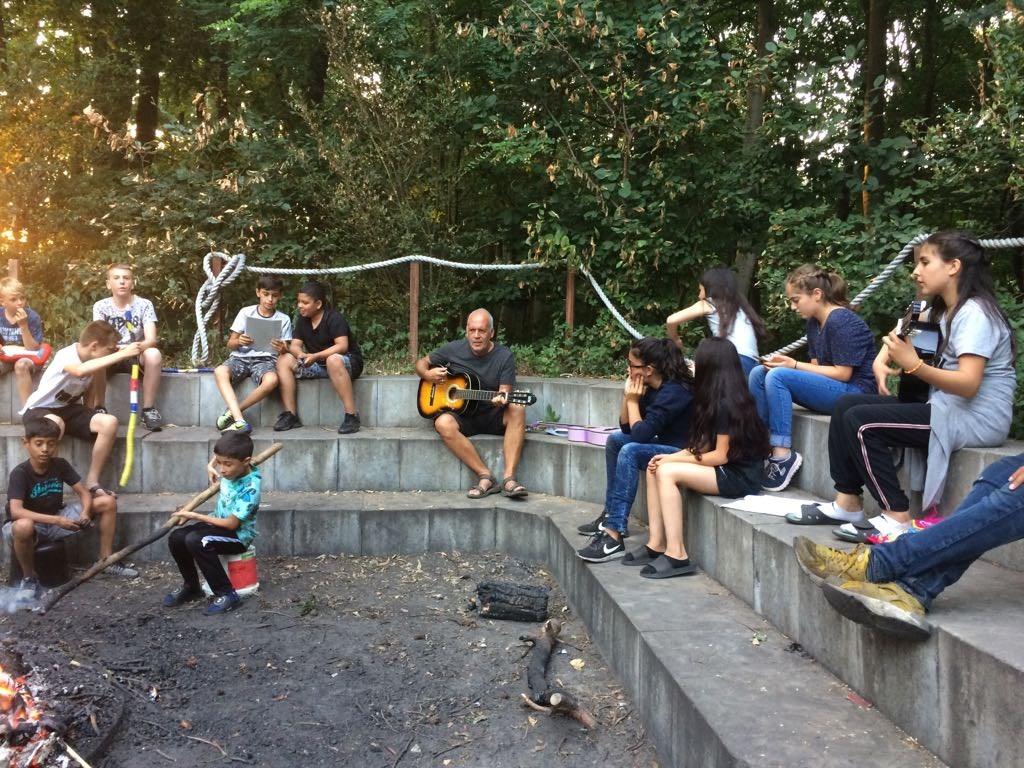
(863, 430)
(201, 544)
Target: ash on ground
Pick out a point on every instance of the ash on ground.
(338, 661)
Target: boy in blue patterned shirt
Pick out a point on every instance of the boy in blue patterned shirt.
(228, 531)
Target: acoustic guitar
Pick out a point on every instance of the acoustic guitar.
(926, 338)
(460, 393)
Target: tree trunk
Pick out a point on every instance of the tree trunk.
(3, 43)
(757, 93)
(929, 64)
(147, 21)
(874, 92)
(516, 602)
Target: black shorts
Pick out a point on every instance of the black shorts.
(739, 478)
(486, 421)
(125, 366)
(76, 418)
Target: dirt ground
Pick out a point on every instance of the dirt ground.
(338, 661)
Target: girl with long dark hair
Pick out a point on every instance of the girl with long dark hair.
(322, 347)
(841, 350)
(725, 452)
(654, 418)
(728, 314)
(971, 402)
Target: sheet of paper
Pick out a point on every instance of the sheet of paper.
(262, 331)
(779, 506)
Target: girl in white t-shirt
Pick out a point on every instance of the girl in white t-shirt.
(728, 313)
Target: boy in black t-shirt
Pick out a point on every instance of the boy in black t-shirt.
(36, 511)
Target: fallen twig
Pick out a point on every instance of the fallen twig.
(213, 744)
(400, 755)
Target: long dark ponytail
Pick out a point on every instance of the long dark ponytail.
(664, 357)
(720, 387)
(974, 281)
(723, 291)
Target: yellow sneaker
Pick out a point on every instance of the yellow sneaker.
(885, 607)
(821, 562)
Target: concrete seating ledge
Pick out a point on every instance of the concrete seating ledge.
(713, 682)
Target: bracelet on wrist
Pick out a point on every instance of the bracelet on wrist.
(912, 371)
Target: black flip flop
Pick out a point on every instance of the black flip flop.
(863, 529)
(637, 557)
(811, 514)
(661, 568)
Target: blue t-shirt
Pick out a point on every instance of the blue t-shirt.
(11, 334)
(241, 498)
(845, 339)
(665, 416)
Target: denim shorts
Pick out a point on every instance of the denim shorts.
(256, 368)
(318, 370)
(47, 531)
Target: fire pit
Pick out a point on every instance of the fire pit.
(373, 661)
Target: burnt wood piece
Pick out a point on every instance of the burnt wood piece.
(516, 602)
(542, 697)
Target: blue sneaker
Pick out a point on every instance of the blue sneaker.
(223, 604)
(180, 596)
(778, 473)
(242, 426)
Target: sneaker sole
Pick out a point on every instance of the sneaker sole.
(877, 614)
(603, 558)
(789, 476)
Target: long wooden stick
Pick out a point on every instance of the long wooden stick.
(58, 594)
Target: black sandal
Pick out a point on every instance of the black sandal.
(513, 489)
(661, 568)
(479, 492)
(811, 514)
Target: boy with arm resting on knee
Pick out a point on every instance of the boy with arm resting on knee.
(20, 326)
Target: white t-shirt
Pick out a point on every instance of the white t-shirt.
(238, 326)
(742, 335)
(130, 322)
(58, 388)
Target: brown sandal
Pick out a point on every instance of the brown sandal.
(478, 491)
(513, 489)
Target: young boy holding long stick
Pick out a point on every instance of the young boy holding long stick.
(228, 531)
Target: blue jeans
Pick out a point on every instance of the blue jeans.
(748, 364)
(624, 460)
(776, 389)
(926, 562)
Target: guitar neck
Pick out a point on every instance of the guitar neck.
(472, 394)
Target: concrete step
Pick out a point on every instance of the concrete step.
(956, 693)
(715, 684)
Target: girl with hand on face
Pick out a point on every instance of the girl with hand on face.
(724, 456)
(841, 350)
(971, 402)
(654, 418)
(728, 314)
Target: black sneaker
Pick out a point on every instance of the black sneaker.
(287, 420)
(592, 528)
(349, 424)
(180, 596)
(601, 549)
(152, 419)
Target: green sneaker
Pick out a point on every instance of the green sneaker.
(886, 607)
(225, 420)
(821, 562)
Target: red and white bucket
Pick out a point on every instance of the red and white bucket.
(241, 570)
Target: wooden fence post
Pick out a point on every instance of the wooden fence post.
(414, 310)
(12, 268)
(570, 298)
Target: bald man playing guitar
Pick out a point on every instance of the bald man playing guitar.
(493, 367)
